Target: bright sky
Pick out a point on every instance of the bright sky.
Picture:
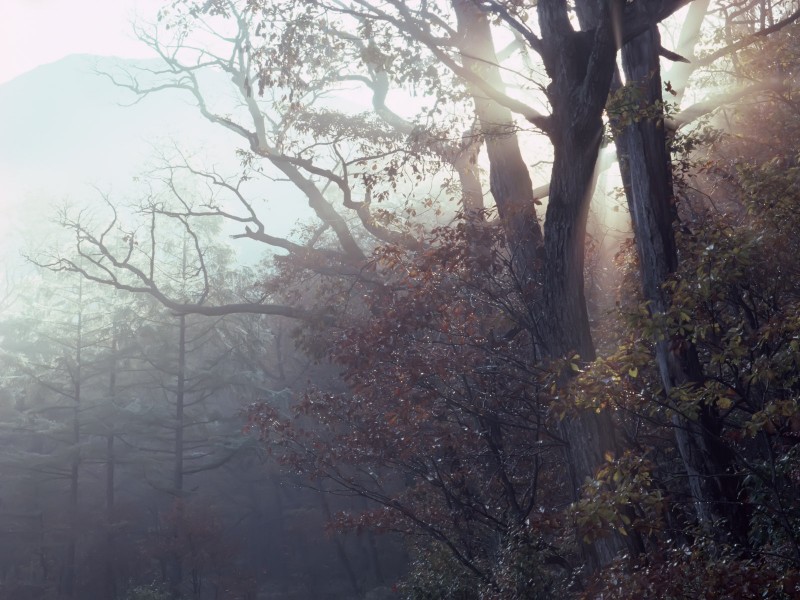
(37, 32)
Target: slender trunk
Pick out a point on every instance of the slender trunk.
(337, 542)
(468, 171)
(176, 571)
(509, 180)
(111, 580)
(111, 583)
(177, 480)
(69, 568)
(581, 66)
(68, 583)
(466, 165)
(643, 151)
(680, 72)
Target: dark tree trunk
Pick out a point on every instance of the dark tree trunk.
(581, 66)
(111, 581)
(565, 327)
(643, 152)
(177, 481)
(176, 568)
(69, 575)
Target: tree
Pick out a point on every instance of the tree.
(59, 352)
(439, 425)
(289, 132)
(580, 81)
(719, 306)
(643, 148)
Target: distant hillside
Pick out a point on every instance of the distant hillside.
(64, 129)
(66, 120)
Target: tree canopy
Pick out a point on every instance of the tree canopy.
(536, 411)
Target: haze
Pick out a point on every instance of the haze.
(383, 300)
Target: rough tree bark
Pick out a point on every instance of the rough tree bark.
(580, 65)
(644, 154)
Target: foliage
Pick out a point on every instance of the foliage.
(444, 420)
(435, 574)
(628, 105)
(443, 423)
(454, 391)
(734, 301)
(698, 571)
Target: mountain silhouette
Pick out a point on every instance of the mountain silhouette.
(68, 134)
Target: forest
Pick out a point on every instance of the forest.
(533, 331)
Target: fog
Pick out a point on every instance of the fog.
(343, 300)
(75, 142)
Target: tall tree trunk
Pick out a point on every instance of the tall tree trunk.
(180, 403)
(509, 179)
(566, 325)
(590, 435)
(68, 580)
(111, 582)
(643, 152)
(176, 569)
(111, 578)
(581, 66)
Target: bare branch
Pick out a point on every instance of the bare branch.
(412, 27)
(747, 41)
(700, 109)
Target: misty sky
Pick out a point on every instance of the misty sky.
(36, 32)
(93, 141)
